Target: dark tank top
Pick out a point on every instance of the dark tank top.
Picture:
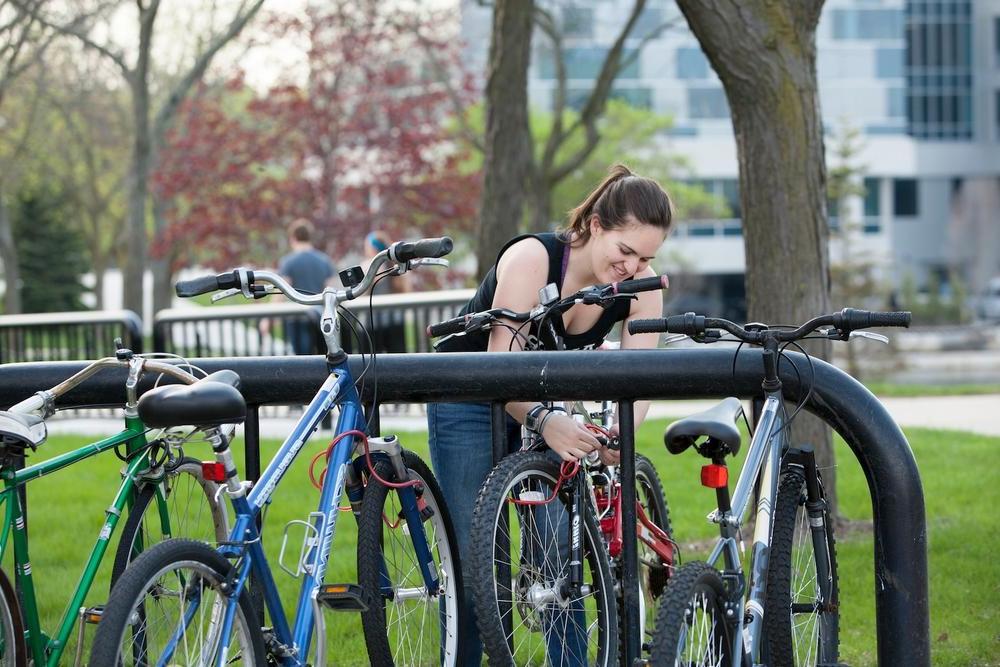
(558, 251)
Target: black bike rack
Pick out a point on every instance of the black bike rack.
(900, 545)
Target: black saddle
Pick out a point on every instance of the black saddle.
(211, 401)
(717, 423)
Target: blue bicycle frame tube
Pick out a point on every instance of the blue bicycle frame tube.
(350, 418)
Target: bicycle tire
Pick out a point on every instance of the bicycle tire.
(148, 587)
(691, 626)
(185, 487)
(806, 630)
(653, 572)
(534, 599)
(13, 652)
(396, 632)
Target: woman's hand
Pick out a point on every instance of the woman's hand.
(611, 457)
(568, 438)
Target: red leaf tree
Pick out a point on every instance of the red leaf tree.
(361, 143)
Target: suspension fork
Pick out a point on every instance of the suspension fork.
(816, 511)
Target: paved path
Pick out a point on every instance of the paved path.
(978, 414)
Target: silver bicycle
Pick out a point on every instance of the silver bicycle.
(785, 609)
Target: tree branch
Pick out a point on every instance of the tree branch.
(76, 28)
(197, 71)
(597, 100)
(467, 132)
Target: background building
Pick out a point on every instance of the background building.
(919, 79)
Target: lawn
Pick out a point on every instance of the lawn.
(960, 486)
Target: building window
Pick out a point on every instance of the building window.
(691, 63)
(996, 39)
(576, 98)
(585, 63)
(731, 195)
(938, 68)
(707, 103)
(889, 63)
(896, 101)
(867, 24)
(996, 114)
(904, 197)
(872, 201)
(578, 22)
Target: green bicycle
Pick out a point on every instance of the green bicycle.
(164, 492)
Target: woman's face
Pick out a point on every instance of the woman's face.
(620, 253)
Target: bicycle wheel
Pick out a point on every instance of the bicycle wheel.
(801, 616)
(405, 623)
(653, 570)
(191, 504)
(520, 566)
(691, 626)
(13, 652)
(167, 608)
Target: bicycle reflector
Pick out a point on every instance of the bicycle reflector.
(213, 471)
(714, 476)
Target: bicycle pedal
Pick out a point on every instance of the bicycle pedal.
(92, 615)
(342, 597)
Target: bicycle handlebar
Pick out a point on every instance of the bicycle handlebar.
(37, 401)
(206, 284)
(404, 251)
(246, 281)
(601, 295)
(699, 326)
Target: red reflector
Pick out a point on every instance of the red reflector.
(213, 471)
(714, 476)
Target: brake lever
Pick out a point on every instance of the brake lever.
(219, 296)
(427, 261)
(870, 335)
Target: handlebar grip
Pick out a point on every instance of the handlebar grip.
(404, 251)
(647, 326)
(850, 319)
(454, 325)
(205, 284)
(640, 285)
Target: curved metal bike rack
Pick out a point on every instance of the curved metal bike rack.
(900, 549)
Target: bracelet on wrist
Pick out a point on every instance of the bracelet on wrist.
(551, 411)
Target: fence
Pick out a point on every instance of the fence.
(67, 336)
(235, 331)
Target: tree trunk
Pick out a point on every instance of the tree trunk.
(163, 275)
(765, 55)
(541, 206)
(11, 266)
(508, 137)
(138, 179)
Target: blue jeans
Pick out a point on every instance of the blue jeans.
(461, 446)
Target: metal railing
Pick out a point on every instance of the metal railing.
(878, 445)
(395, 322)
(67, 336)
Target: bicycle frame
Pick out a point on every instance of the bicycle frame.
(245, 545)
(48, 651)
(763, 462)
(45, 650)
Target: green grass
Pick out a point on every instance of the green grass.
(906, 390)
(961, 487)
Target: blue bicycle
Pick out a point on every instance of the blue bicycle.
(184, 602)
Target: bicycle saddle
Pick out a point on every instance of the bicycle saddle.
(718, 423)
(211, 401)
(20, 431)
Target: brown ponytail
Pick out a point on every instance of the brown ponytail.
(619, 195)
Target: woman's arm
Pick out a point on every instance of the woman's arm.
(522, 271)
